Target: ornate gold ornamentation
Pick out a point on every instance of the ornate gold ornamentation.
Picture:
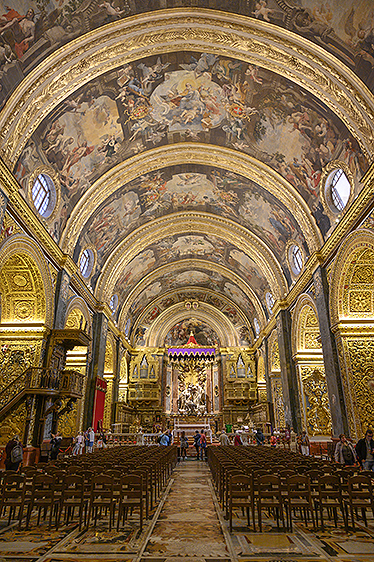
(192, 263)
(245, 39)
(360, 301)
(25, 282)
(107, 416)
(278, 402)
(175, 154)
(67, 423)
(182, 222)
(314, 385)
(205, 313)
(13, 424)
(305, 327)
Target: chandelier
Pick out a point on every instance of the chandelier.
(191, 354)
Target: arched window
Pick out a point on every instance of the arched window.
(295, 259)
(43, 194)
(269, 301)
(338, 189)
(86, 262)
(113, 303)
(257, 326)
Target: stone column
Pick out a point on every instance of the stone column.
(330, 355)
(288, 372)
(96, 366)
(167, 393)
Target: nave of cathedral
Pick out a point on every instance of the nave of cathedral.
(186, 214)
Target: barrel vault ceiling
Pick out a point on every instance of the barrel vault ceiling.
(188, 143)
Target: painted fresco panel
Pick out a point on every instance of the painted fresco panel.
(31, 30)
(190, 97)
(179, 334)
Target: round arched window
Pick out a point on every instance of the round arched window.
(86, 262)
(295, 257)
(257, 326)
(113, 303)
(269, 301)
(338, 189)
(43, 194)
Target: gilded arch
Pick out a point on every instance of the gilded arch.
(170, 155)
(206, 313)
(39, 303)
(165, 31)
(352, 314)
(184, 222)
(203, 264)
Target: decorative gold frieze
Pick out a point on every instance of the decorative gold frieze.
(316, 400)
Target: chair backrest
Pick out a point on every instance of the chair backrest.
(102, 486)
(329, 486)
(132, 486)
(43, 486)
(13, 485)
(269, 486)
(298, 485)
(73, 486)
(360, 486)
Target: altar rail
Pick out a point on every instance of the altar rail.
(115, 439)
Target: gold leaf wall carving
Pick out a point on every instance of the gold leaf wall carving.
(13, 424)
(317, 407)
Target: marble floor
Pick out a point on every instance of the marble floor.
(187, 525)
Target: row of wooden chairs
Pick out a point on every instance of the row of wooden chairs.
(241, 483)
(88, 487)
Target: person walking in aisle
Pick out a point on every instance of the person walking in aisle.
(203, 445)
(224, 439)
(345, 453)
(196, 443)
(365, 451)
(183, 445)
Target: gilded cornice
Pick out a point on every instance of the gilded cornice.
(229, 35)
(190, 153)
(206, 313)
(195, 222)
(192, 264)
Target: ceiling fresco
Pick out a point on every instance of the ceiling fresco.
(204, 189)
(32, 30)
(126, 150)
(179, 248)
(188, 97)
(203, 333)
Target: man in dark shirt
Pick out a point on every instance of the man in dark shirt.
(365, 451)
(196, 443)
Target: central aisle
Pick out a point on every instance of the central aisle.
(188, 524)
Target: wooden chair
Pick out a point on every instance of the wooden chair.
(101, 497)
(299, 497)
(269, 497)
(72, 497)
(42, 497)
(240, 495)
(330, 497)
(13, 495)
(360, 496)
(131, 496)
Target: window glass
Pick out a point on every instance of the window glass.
(340, 189)
(296, 259)
(269, 301)
(257, 326)
(85, 263)
(42, 193)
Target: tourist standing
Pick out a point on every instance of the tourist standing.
(164, 441)
(304, 444)
(203, 445)
(365, 451)
(196, 443)
(183, 445)
(224, 439)
(238, 439)
(79, 444)
(91, 439)
(273, 441)
(344, 452)
(260, 437)
(55, 444)
(13, 454)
